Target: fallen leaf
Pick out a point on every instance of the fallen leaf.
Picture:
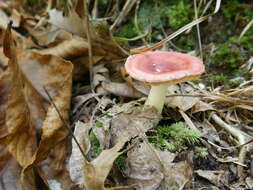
(72, 22)
(182, 102)
(96, 171)
(149, 169)
(201, 106)
(218, 178)
(76, 161)
(29, 114)
(77, 46)
(121, 89)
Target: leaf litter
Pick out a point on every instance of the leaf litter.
(36, 148)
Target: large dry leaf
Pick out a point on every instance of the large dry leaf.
(150, 169)
(130, 120)
(29, 114)
(96, 171)
(21, 134)
(77, 47)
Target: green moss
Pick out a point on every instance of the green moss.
(179, 14)
(127, 31)
(186, 42)
(238, 9)
(95, 145)
(103, 2)
(247, 43)
(99, 124)
(231, 54)
(120, 161)
(176, 137)
(158, 14)
(200, 152)
(218, 78)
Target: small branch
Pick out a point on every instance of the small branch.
(241, 137)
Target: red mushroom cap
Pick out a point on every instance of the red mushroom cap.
(163, 67)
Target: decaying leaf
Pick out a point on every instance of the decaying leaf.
(149, 169)
(218, 178)
(134, 122)
(128, 120)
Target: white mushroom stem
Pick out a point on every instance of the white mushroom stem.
(156, 97)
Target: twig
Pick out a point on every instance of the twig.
(241, 137)
(247, 27)
(95, 10)
(127, 7)
(66, 125)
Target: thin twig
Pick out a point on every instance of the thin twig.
(127, 7)
(66, 125)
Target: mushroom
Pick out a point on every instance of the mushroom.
(160, 69)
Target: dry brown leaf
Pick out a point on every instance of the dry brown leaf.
(96, 171)
(77, 47)
(21, 139)
(28, 113)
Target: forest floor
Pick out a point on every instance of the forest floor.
(71, 117)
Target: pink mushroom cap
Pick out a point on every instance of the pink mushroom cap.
(163, 67)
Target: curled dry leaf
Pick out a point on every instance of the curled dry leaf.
(29, 115)
(76, 47)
